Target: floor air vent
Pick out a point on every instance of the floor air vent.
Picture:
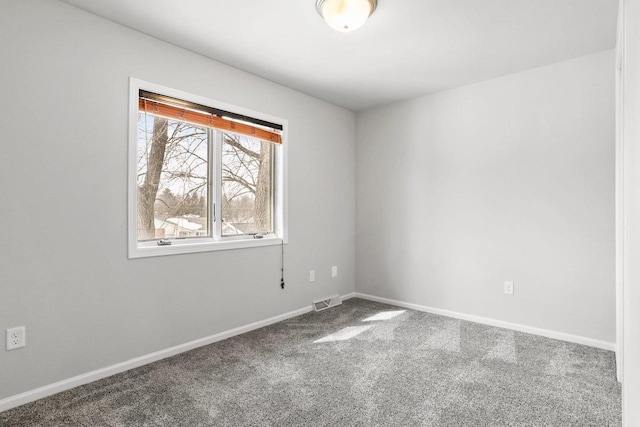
(325, 303)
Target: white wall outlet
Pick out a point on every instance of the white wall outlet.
(334, 271)
(16, 338)
(312, 276)
(508, 288)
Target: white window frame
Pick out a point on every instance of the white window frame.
(178, 246)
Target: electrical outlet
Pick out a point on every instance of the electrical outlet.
(312, 276)
(16, 338)
(334, 271)
(508, 288)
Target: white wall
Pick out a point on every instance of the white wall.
(509, 179)
(64, 271)
(619, 195)
(631, 144)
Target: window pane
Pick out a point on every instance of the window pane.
(247, 185)
(173, 173)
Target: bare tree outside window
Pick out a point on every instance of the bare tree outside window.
(247, 198)
(172, 178)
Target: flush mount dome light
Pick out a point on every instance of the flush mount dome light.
(346, 15)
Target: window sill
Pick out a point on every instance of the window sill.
(153, 250)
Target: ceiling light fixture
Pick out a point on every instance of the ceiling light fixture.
(346, 15)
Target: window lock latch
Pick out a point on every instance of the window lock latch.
(164, 243)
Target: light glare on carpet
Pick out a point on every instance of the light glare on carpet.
(446, 337)
(344, 334)
(384, 315)
(505, 347)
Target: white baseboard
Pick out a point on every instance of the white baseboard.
(605, 345)
(347, 296)
(48, 390)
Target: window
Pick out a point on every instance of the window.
(203, 175)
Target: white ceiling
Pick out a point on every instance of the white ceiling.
(406, 49)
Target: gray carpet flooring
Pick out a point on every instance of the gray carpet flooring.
(359, 364)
